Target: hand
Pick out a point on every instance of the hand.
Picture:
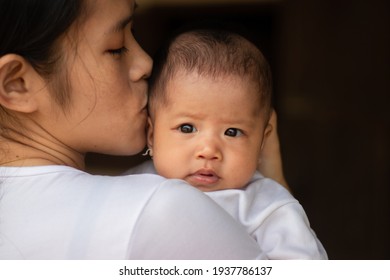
(270, 162)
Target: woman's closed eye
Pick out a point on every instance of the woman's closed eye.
(233, 132)
(118, 52)
(187, 128)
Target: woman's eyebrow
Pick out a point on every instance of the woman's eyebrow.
(120, 25)
(125, 21)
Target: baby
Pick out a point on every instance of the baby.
(209, 106)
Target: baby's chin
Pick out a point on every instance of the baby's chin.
(211, 188)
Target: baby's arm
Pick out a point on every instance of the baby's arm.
(286, 234)
(273, 217)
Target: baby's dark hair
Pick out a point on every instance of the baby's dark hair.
(211, 52)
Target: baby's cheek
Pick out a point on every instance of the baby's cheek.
(244, 179)
(244, 173)
(166, 166)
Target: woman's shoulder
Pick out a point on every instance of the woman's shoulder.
(125, 195)
(71, 182)
(61, 203)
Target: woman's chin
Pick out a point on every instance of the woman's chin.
(136, 146)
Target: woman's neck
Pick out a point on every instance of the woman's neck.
(35, 148)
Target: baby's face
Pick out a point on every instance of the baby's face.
(210, 133)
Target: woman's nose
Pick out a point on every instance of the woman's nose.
(142, 65)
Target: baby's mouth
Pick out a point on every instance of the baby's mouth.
(203, 177)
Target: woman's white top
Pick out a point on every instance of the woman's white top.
(58, 212)
(269, 213)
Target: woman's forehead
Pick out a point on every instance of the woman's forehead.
(110, 14)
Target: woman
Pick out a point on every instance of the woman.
(72, 81)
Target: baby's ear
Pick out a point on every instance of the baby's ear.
(150, 133)
(17, 84)
(267, 131)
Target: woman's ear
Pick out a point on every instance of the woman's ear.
(149, 136)
(17, 84)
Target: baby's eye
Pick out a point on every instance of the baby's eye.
(187, 128)
(233, 132)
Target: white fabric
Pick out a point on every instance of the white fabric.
(270, 214)
(57, 212)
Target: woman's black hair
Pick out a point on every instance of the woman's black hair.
(30, 28)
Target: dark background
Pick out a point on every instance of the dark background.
(331, 66)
